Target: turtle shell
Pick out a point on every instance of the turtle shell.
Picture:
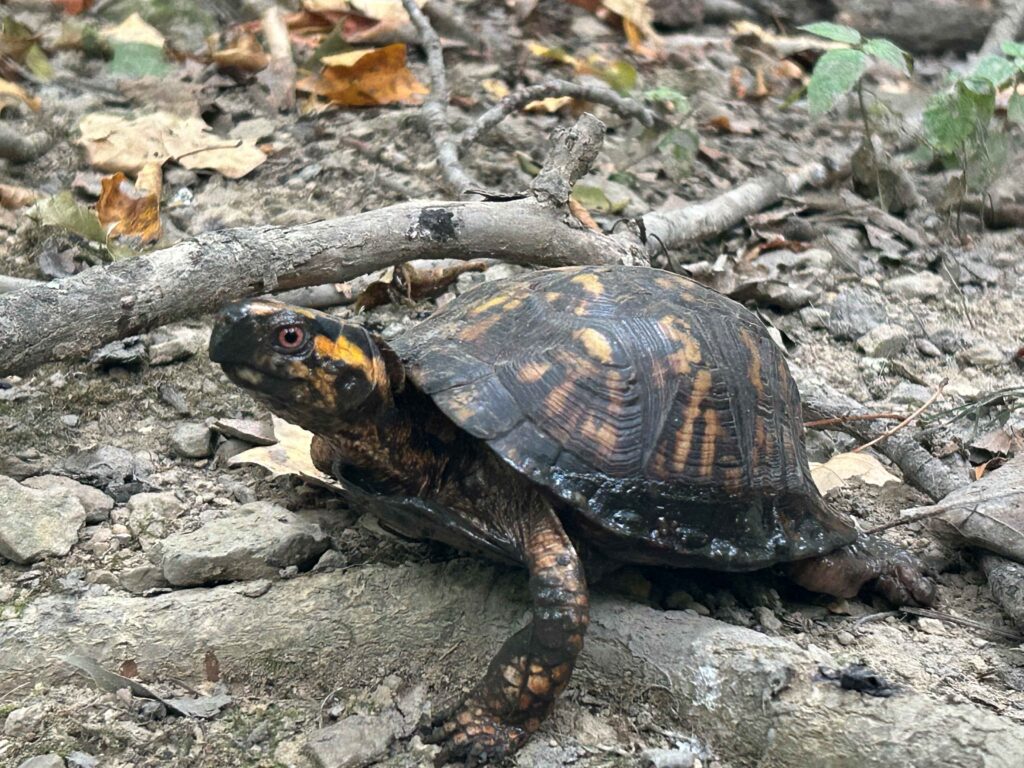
(660, 412)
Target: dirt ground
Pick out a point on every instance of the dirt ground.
(327, 164)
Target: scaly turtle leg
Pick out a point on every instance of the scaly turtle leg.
(533, 666)
(869, 561)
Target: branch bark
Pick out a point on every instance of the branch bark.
(66, 318)
(756, 700)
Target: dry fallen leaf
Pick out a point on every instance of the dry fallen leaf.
(134, 29)
(13, 197)
(245, 54)
(290, 455)
(10, 94)
(366, 78)
(128, 210)
(843, 467)
(115, 143)
(550, 104)
(497, 89)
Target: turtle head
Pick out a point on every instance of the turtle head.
(306, 366)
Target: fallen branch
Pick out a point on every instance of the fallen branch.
(435, 109)
(919, 467)
(753, 699)
(279, 75)
(837, 420)
(518, 99)
(917, 412)
(1005, 28)
(66, 318)
(677, 228)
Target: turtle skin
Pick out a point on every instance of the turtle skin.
(618, 412)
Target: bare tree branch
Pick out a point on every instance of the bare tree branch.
(554, 88)
(435, 108)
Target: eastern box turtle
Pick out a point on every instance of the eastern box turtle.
(629, 410)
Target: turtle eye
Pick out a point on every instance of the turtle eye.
(290, 337)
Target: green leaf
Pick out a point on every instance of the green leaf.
(890, 53)
(830, 31)
(132, 60)
(680, 104)
(620, 75)
(62, 210)
(835, 74)
(38, 64)
(1012, 48)
(954, 117)
(996, 70)
(1015, 109)
(595, 199)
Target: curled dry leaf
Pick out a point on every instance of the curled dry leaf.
(134, 29)
(115, 143)
(132, 211)
(11, 94)
(551, 104)
(366, 78)
(245, 55)
(290, 455)
(13, 197)
(843, 467)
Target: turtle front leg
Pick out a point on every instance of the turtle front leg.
(869, 561)
(533, 666)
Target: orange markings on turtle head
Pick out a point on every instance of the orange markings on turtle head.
(342, 350)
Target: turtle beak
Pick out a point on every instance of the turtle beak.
(232, 338)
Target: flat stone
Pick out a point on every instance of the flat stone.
(983, 355)
(909, 393)
(256, 542)
(920, 285)
(24, 722)
(192, 440)
(142, 579)
(150, 515)
(853, 313)
(51, 760)
(169, 345)
(884, 341)
(35, 524)
(354, 742)
(96, 503)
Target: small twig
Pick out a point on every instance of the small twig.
(928, 614)
(598, 94)
(279, 75)
(917, 412)
(836, 420)
(924, 514)
(435, 108)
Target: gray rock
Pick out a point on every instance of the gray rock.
(920, 285)
(142, 579)
(884, 341)
(983, 355)
(676, 14)
(118, 471)
(256, 542)
(24, 722)
(814, 317)
(36, 524)
(96, 503)
(82, 760)
(123, 353)
(192, 440)
(51, 760)
(853, 313)
(927, 348)
(683, 757)
(354, 742)
(909, 394)
(150, 516)
(230, 447)
(169, 345)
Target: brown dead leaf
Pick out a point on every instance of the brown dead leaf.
(551, 104)
(11, 94)
(134, 29)
(12, 197)
(582, 215)
(128, 210)
(245, 54)
(290, 455)
(74, 7)
(114, 143)
(366, 78)
(837, 471)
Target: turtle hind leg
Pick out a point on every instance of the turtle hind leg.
(892, 572)
(533, 666)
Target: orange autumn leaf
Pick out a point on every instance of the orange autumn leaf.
(73, 7)
(366, 78)
(131, 210)
(245, 54)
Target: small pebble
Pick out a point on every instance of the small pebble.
(845, 638)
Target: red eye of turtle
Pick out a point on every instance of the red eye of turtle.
(290, 337)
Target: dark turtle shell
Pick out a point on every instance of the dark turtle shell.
(659, 410)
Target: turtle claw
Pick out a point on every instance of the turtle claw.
(470, 735)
